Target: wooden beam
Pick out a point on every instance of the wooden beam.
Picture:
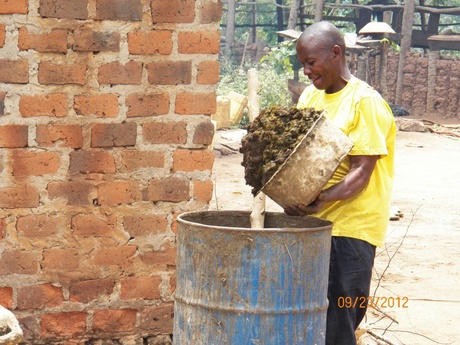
(444, 42)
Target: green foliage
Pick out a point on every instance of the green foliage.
(273, 86)
(283, 57)
(273, 82)
(392, 44)
(232, 77)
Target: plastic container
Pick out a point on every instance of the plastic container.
(222, 116)
(310, 166)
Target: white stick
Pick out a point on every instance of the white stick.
(257, 216)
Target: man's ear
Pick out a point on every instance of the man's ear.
(336, 51)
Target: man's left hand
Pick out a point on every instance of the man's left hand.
(304, 210)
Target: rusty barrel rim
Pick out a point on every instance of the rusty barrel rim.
(325, 226)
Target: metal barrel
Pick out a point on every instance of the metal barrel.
(236, 285)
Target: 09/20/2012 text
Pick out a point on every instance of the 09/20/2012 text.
(373, 302)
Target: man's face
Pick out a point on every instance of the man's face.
(318, 64)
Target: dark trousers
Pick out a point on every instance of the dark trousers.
(350, 275)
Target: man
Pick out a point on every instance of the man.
(357, 198)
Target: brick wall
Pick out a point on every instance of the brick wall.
(104, 131)
(431, 85)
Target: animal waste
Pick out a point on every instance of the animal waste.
(271, 138)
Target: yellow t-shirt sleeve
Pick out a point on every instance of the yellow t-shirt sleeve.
(372, 121)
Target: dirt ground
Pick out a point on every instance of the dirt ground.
(420, 262)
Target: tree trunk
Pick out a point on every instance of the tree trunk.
(384, 47)
(230, 32)
(319, 8)
(293, 14)
(254, 23)
(279, 19)
(406, 30)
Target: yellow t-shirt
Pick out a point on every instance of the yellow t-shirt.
(364, 116)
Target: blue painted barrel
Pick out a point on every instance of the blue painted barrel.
(236, 285)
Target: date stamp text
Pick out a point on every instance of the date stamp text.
(373, 302)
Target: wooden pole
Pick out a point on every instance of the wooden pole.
(292, 22)
(257, 216)
(230, 31)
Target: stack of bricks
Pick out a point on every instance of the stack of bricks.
(104, 139)
(430, 87)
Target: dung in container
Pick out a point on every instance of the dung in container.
(290, 154)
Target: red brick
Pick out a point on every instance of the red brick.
(14, 136)
(117, 73)
(165, 132)
(43, 105)
(70, 324)
(62, 260)
(172, 283)
(39, 297)
(193, 160)
(146, 224)
(3, 161)
(35, 163)
(21, 196)
(174, 226)
(86, 162)
(2, 102)
(14, 6)
(64, 9)
(202, 190)
(113, 134)
(103, 105)
(14, 71)
(143, 288)
(6, 297)
(204, 133)
(133, 160)
(91, 290)
(75, 192)
(172, 189)
(208, 72)
(150, 43)
(41, 225)
(210, 12)
(157, 319)
(167, 11)
(2, 34)
(59, 74)
(163, 257)
(53, 42)
(30, 325)
(199, 42)
(117, 256)
(119, 10)
(2, 228)
(114, 321)
(60, 135)
(93, 225)
(119, 193)
(87, 40)
(170, 72)
(147, 104)
(18, 262)
(195, 103)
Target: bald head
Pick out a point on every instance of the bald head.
(321, 51)
(322, 35)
